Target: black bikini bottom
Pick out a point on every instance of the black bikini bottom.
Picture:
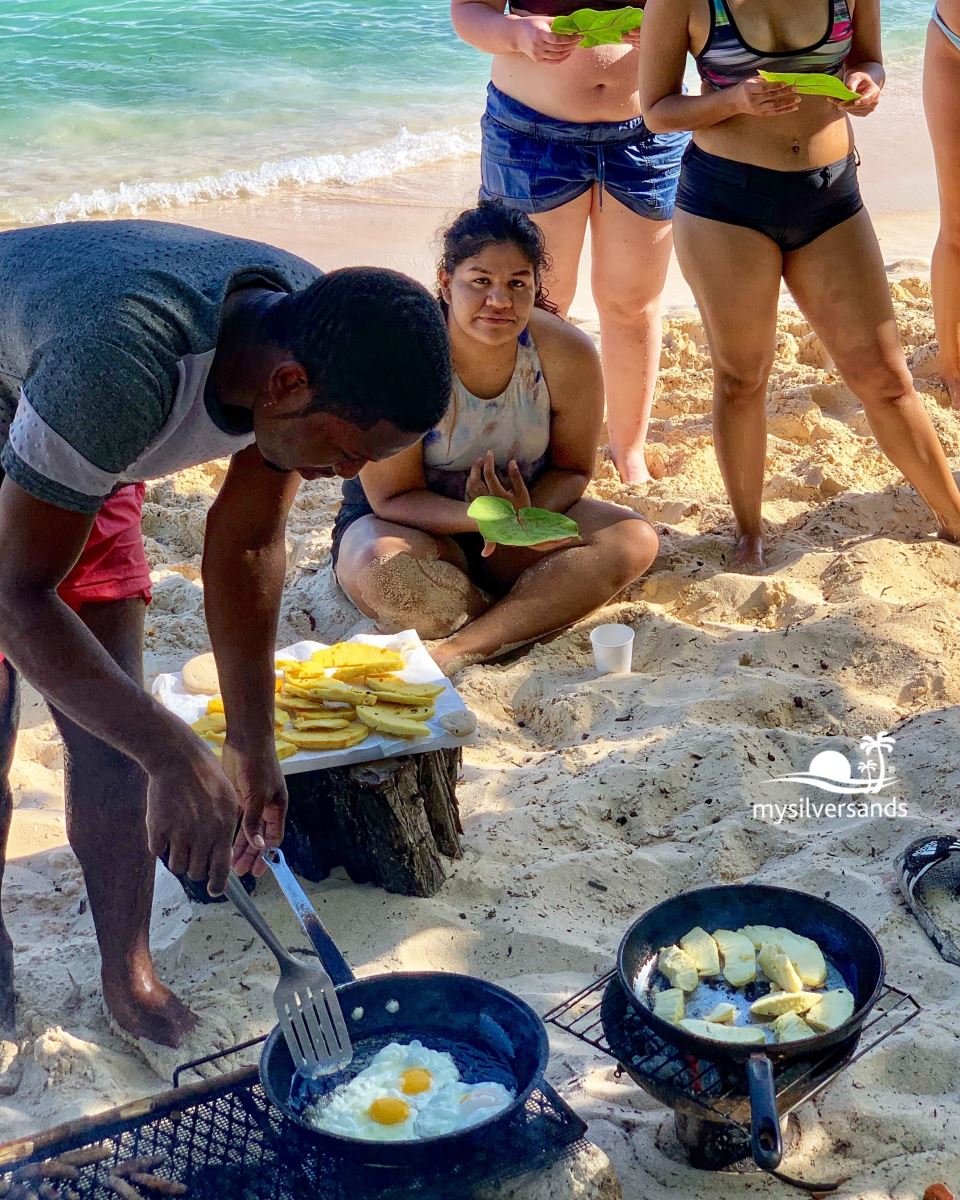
(792, 208)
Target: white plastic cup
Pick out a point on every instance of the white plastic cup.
(613, 649)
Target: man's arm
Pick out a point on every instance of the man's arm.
(191, 806)
(244, 561)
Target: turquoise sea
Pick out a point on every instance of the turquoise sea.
(113, 106)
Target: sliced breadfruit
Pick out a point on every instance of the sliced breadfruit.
(668, 1004)
(791, 1027)
(778, 968)
(739, 960)
(380, 718)
(721, 1014)
(783, 1002)
(331, 721)
(741, 1034)
(701, 947)
(414, 693)
(831, 1010)
(678, 968)
(327, 739)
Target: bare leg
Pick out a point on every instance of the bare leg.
(106, 807)
(564, 229)
(551, 590)
(9, 715)
(941, 102)
(407, 579)
(840, 285)
(630, 259)
(734, 274)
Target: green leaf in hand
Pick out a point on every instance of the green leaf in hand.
(812, 84)
(500, 522)
(599, 28)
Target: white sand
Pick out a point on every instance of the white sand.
(642, 782)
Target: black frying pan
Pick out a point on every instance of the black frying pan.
(492, 1035)
(854, 960)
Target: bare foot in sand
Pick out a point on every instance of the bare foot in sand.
(10, 1064)
(749, 557)
(145, 1008)
(639, 467)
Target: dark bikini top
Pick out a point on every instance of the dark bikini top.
(563, 8)
(727, 58)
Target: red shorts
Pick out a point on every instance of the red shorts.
(113, 565)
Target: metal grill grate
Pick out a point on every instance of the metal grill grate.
(601, 1016)
(225, 1141)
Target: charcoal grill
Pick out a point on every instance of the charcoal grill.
(710, 1102)
(225, 1141)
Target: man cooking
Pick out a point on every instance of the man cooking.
(130, 350)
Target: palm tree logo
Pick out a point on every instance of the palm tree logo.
(881, 745)
(830, 771)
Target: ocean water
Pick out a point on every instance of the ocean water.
(119, 106)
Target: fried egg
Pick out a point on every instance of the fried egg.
(460, 1106)
(382, 1102)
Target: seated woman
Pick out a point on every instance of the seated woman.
(523, 424)
(768, 193)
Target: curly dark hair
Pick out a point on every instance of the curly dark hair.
(374, 346)
(493, 223)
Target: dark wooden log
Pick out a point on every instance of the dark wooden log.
(390, 823)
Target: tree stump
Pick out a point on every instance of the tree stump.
(390, 823)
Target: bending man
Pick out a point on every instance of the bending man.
(130, 350)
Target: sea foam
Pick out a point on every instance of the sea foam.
(399, 153)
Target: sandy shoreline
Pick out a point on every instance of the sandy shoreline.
(644, 782)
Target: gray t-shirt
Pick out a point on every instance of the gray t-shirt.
(107, 333)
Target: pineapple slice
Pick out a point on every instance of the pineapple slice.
(791, 1027)
(832, 1010)
(739, 962)
(778, 968)
(742, 1034)
(721, 1014)
(668, 1004)
(783, 1002)
(701, 947)
(679, 968)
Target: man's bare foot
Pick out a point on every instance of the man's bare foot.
(748, 557)
(10, 1064)
(148, 1009)
(949, 535)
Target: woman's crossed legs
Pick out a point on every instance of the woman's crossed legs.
(406, 578)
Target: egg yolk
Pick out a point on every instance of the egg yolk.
(415, 1080)
(388, 1110)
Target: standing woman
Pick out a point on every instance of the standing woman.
(768, 191)
(564, 140)
(941, 102)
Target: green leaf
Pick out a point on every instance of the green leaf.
(812, 84)
(500, 522)
(599, 28)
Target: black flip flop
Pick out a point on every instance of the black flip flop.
(929, 874)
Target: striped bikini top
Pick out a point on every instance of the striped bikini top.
(727, 58)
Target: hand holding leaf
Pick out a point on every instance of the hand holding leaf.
(501, 524)
(812, 83)
(599, 28)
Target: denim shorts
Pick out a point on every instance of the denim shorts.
(536, 163)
